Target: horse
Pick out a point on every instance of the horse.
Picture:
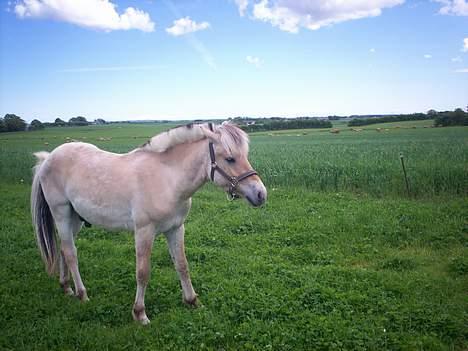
(147, 190)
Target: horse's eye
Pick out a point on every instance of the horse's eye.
(230, 160)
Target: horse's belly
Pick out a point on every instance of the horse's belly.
(110, 217)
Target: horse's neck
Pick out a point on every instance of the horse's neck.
(190, 164)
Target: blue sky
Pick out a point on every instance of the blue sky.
(185, 59)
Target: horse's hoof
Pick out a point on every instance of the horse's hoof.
(82, 295)
(66, 289)
(194, 303)
(145, 321)
(140, 318)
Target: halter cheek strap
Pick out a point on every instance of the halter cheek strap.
(233, 181)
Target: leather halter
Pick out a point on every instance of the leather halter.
(233, 181)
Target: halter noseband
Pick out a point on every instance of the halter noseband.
(233, 181)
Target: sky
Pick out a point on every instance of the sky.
(181, 59)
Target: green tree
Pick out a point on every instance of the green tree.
(100, 121)
(78, 121)
(449, 118)
(59, 122)
(36, 125)
(14, 123)
(2, 126)
(432, 114)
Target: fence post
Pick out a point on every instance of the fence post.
(404, 172)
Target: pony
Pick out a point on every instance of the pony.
(147, 190)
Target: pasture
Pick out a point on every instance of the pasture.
(340, 258)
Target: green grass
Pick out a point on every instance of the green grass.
(325, 265)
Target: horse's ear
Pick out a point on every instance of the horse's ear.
(213, 136)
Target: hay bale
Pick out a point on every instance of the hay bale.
(335, 131)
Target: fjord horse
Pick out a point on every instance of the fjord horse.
(147, 190)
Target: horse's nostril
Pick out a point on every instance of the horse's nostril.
(260, 195)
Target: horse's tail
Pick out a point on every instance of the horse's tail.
(42, 219)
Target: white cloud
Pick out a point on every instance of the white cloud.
(97, 14)
(463, 70)
(185, 25)
(454, 7)
(427, 56)
(253, 60)
(456, 59)
(372, 50)
(242, 5)
(465, 45)
(291, 15)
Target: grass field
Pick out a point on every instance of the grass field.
(340, 258)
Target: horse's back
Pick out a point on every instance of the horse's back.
(96, 183)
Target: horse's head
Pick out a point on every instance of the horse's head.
(230, 168)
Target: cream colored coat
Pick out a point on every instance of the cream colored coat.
(147, 190)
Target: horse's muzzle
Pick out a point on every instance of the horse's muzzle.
(255, 194)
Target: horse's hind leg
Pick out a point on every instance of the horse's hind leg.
(68, 224)
(64, 270)
(64, 275)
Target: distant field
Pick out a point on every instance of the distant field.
(340, 258)
(363, 162)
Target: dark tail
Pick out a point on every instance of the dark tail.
(43, 222)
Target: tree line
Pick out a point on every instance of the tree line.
(458, 117)
(13, 123)
(279, 124)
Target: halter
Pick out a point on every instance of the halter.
(233, 181)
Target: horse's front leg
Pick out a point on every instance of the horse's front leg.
(175, 241)
(144, 238)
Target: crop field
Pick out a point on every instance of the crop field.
(340, 258)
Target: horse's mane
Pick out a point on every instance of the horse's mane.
(231, 137)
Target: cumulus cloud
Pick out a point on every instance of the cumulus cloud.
(453, 7)
(96, 14)
(291, 15)
(185, 25)
(456, 59)
(253, 60)
(242, 5)
(463, 70)
(465, 45)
